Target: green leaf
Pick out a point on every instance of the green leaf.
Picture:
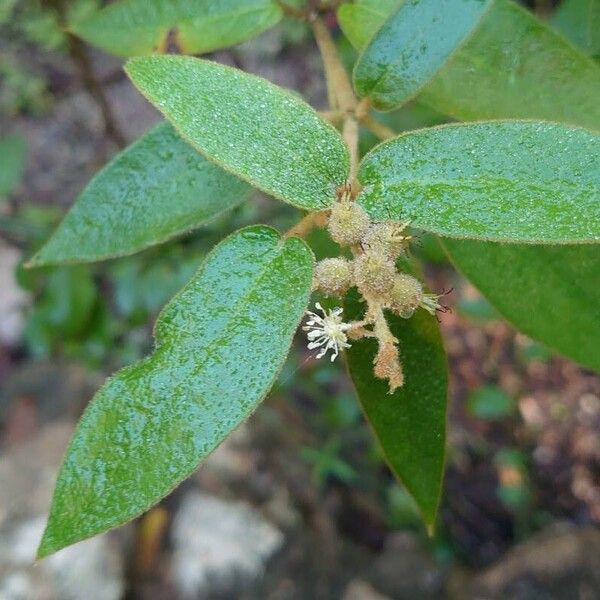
(579, 21)
(139, 27)
(219, 346)
(409, 424)
(517, 181)
(515, 66)
(256, 130)
(12, 163)
(411, 46)
(155, 189)
(512, 66)
(360, 20)
(551, 293)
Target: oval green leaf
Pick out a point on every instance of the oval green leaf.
(155, 189)
(409, 424)
(550, 293)
(521, 68)
(516, 181)
(411, 46)
(512, 66)
(256, 130)
(219, 346)
(141, 27)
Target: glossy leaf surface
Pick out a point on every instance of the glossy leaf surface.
(411, 46)
(139, 27)
(550, 293)
(409, 424)
(219, 346)
(12, 163)
(579, 21)
(515, 66)
(256, 130)
(157, 188)
(512, 66)
(514, 181)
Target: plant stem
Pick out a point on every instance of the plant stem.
(79, 56)
(303, 227)
(339, 91)
(292, 11)
(335, 72)
(350, 133)
(380, 130)
(333, 116)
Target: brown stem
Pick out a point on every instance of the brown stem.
(335, 72)
(350, 133)
(380, 130)
(307, 224)
(292, 11)
(79, 56)
(333, 116)
(339, 90)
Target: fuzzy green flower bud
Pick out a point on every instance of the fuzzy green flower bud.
(348, 223)
(406, 295)
(389, 239)
(374, 274)
(333, 276)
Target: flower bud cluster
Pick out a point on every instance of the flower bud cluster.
(373, 271)
(376, 248)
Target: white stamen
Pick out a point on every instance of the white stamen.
(327, 332)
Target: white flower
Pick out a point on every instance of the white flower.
(327, 332)
(431, 304)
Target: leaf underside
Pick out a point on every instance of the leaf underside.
(411, 45)
(410, 424)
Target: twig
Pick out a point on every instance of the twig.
(307, 224)
(380, 130)
(340, 88)
(79, 56)
(335, 72)
(333, 116)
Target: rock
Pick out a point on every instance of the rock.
(28, 471)
(220, 547)
(361, 590)
(92, 569)
(405, 570)
(560, 563)
(56, 390)
(12, 298)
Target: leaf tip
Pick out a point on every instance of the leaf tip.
(34, 262)
(47, 545)
(430, 528)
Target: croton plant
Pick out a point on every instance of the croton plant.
(511, 187)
